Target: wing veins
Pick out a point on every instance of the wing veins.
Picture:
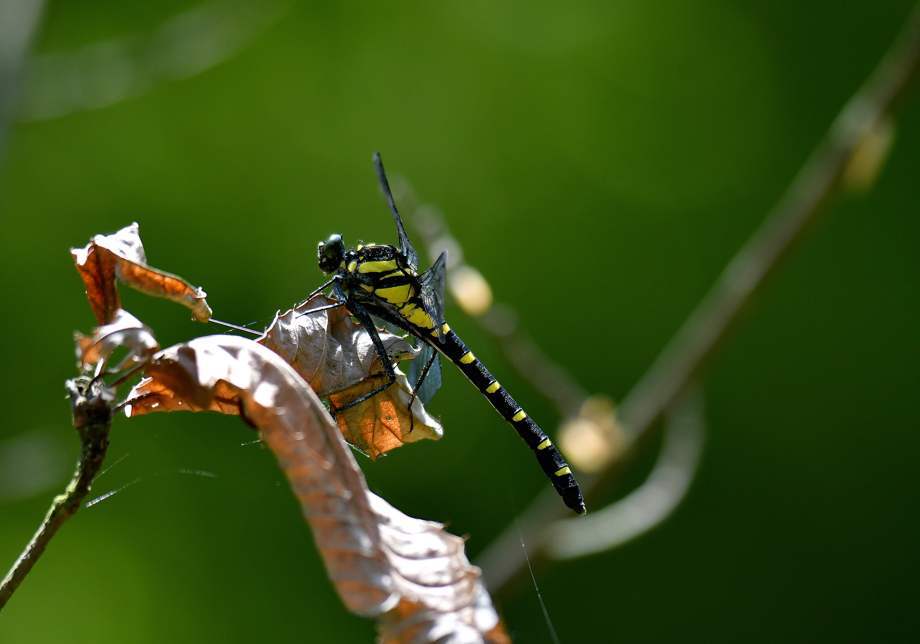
(405, 246)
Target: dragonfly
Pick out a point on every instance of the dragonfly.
(383, 282)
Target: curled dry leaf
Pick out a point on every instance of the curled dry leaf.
(124, 331)
(121, 256)
(406, 623)
(410, 574)
(433, 566)
(152, 395)
(326, 348)
(337, 358)
(382, 423)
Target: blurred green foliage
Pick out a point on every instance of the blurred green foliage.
(600, 162)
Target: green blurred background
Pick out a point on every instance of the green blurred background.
(599, 162)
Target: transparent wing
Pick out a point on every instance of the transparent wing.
(395, 330)
(432, 381)
(432, 292)
(405, 246)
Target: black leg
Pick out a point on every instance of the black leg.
(322, 308)
(368, 323)
(369, 377)
(319, 289)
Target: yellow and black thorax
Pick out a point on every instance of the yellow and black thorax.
(378, 273)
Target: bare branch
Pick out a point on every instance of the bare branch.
(684, 357)
(649, 505)
(799, 207)
(91, 402)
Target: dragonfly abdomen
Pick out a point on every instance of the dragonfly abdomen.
(548, 456)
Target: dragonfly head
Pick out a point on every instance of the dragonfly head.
(329, 253)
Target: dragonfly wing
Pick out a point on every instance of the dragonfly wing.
(395, 330)
(432, 381)
(405, 246)
(432, 291)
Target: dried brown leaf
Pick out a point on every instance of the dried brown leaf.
(410, 574)
(337, 357)
(152, 395)
(121, 256)
(406, 623)
(443, 599)
(382, 423)
(327, 348)
(124, 331)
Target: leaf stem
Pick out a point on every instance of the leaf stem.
(91, 404)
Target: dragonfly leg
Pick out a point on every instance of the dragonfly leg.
(334, 305)
(368, 323)
(343, 388)
(319, 289)
(365, 396)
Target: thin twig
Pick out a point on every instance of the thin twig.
(651, 503)
(682, 360)
(91, 402)
(548, 377)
